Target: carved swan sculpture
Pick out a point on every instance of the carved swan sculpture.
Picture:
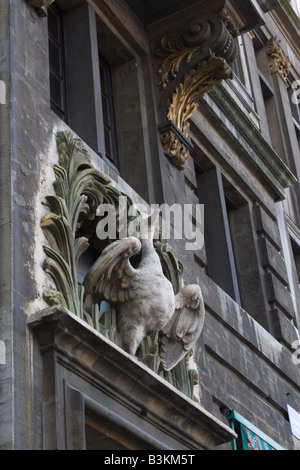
(144, 297)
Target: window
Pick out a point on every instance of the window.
(237, 65)
(58, 97)
(124, 119)
(96, 86)
(110, 134)
(221, 267)
(229, 239)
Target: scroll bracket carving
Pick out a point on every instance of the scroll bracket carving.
(194, 62)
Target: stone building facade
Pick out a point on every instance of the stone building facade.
(164, 102)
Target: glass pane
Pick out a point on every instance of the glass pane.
(56, 60)
(103, 78)
(56, 90)
(53, 24)
(108, 146)
(105, 105)
(55, 57)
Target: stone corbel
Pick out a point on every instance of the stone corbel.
(194, 62)
(278, 61)
(40, 6)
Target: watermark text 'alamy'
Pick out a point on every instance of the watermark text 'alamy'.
(179, 222)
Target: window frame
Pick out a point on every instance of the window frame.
(233, 290)
(110, 125)
(60, 109)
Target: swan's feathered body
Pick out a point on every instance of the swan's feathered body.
(144, 297)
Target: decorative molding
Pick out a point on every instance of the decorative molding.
(175, 55)
(216, 33)
(256, 150)
(195, 85)
(122, 392)
(70, 228)
(278, 61)
(79, 191)
(195, 60)
(229, 22)
(176, 146)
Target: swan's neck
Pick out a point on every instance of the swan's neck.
(150, 258)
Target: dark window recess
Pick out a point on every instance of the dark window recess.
(296, 253)
(238, 69)
(221, 264)
(57, 62)
(110, 134)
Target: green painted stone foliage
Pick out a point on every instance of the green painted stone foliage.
(79, 190)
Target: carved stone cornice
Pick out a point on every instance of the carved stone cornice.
(149, 409)
(278, 61)
(194, 61)
(40, 5)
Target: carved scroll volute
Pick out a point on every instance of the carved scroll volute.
(194, 62)
(278, 61)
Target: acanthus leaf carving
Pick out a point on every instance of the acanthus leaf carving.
(216, 33)
(174, 56)
(229, 22)
(79, 191)
(278, 61)
(195, 85)
(175, 146)
(195, 60)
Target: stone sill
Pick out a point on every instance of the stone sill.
(167, 414)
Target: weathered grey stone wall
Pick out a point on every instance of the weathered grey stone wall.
(6, 285)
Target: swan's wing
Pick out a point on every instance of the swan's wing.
(184, 328)
(111, 276)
